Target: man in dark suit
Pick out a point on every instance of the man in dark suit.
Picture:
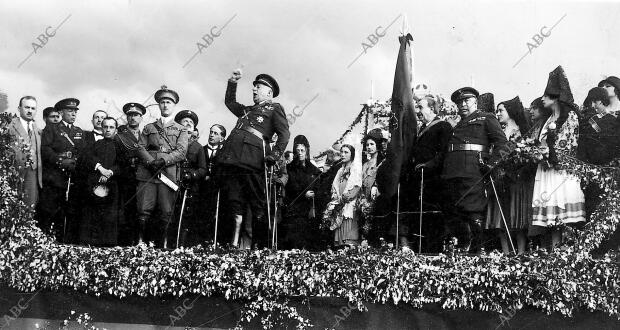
(245, 152)
(129, 232)
(428, 152)
(210, 187)
(61, 147)
(102, 214)
(97, 133)
(26, 138)
(467, 160)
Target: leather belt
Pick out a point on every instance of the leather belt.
(66, 154)
(253, 131)
(467, 147)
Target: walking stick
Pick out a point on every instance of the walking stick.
(64, 226)
(502, 214)
(267, 197)
(397, 213)
(421, 212)
(274, 237)
(217, 213)
(181, 216)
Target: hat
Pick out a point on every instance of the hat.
(486, 102)
(268, 81)
(612, 80)
(130, 108)
(558, 86)
(463, 93)
(70, 103)
(186, 114)
(596, 93)
(165, 93)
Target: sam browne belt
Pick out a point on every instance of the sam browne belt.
(467, 147)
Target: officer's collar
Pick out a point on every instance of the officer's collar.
(66, 124)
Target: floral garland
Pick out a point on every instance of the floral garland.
(564, 281)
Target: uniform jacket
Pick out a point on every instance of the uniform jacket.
(127, 158)
(196, 165)
(55, 140)
(173, 154)
(244, 149)
(19, 135)
(477, 128)
(598, 139)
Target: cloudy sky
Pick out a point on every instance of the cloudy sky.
(107, 53)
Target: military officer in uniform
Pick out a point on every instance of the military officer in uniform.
(467, 159)
(244, 154)
(61, 147)
(193, 172)
(166, 142)
(129, 134)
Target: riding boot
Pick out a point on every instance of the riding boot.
(142, 220)
(164, 235)
(238, 221)
(476, 235)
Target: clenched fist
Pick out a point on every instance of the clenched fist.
(236, 75)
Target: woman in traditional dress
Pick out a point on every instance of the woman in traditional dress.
(514, 199)
(557, 197)
(299, 227)
(374, 155)
(341, 210)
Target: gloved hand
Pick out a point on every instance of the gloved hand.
(187, 176)
(67, 164)
(271, 160)
(156, 165)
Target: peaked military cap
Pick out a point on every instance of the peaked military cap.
(186, 114)
(165, 93)
(268, 81)
(463, 93)
(70, 103)
(134, 108)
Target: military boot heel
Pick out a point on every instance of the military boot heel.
(141, 229)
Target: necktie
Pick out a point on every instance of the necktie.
(30, 130)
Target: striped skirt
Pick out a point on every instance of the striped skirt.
(557, 198)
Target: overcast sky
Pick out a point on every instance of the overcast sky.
(108, 53)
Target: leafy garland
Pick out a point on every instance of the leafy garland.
(564, 281)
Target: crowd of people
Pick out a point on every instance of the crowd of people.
(131, 184)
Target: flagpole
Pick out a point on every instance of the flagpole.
(397, 213)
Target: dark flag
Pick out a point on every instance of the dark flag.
(405, 131)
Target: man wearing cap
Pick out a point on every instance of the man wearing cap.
(129, 134)
(193, 172)
(61, 147)
(166, 142)
(466, 161)
(612, 85)
(244, 154)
